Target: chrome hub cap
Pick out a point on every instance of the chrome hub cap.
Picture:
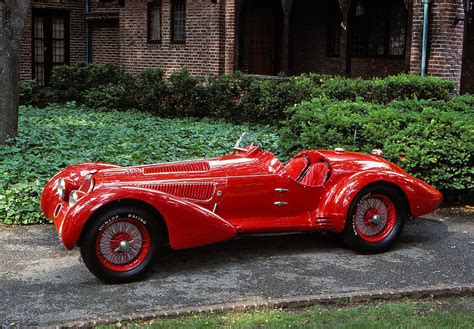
(376, 219)
(120, 242)
(124, 245)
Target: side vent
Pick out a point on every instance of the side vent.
(191, 191)
(198, 166)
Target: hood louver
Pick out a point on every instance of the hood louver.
(201, 166)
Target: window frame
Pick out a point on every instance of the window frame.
(172, 15)
(366, 27)
(150, 5)
(48, 61)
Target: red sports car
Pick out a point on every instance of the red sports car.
(121, 217)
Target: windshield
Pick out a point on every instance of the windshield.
(245, 141)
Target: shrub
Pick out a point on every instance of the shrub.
(27, 91)
(153, 91)
(341, 88)
(32, 94)
(224, 96)
(405, 86)
(384, 91)
(432, 144)
(265, 100)
(71, 83)
(186, 96)
(235, 98)
(58, 136)
(111, 97)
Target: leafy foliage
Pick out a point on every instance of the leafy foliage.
(72, 83)
(58, 136)
(32, 94)
(234, 98)
(153, 91)
(426, 138)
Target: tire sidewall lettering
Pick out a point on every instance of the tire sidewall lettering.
(115, 217)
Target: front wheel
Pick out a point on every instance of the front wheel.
(375, 219)
(121, 244)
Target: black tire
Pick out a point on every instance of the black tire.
(94, 239)
(354, 237)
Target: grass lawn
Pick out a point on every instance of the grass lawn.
(450, 313)
(53, 138)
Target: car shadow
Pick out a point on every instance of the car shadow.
(254, 248)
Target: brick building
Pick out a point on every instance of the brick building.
(347, 37)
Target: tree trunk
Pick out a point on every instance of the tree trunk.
(12, 18)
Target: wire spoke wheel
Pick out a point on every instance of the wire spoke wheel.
(122, 244)
(374, 217)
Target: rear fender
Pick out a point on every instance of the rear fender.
(188, 225)
(335, 203)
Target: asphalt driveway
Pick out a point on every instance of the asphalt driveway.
(41, 283)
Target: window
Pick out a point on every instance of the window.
(378, 28)
(50, 41)
(178, 21)
(154, 22)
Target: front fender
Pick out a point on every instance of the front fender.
(335, 203)
(189, 225)
(74, 174)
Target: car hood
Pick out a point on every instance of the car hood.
(169, 171)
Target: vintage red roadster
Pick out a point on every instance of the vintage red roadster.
(121, 217)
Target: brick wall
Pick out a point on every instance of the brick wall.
(202, 52)
(105, 41)
(77, 30)
(445, 39)
(467, 79)
(119, 35)
(377, 67)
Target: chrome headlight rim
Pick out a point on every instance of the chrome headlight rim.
(73, 198)
(61, 188)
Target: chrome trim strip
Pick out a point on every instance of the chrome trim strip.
(280, 203)
(281, 190)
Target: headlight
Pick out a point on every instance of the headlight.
(61, 188)
(73, 197)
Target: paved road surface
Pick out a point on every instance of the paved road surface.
(41, 283)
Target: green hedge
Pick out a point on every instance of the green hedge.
(234, 98)
(53, 138)
(428, 139)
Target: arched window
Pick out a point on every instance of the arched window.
(377, 28)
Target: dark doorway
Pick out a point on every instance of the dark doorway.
(261, 37)
(50, 42)
(315, 37)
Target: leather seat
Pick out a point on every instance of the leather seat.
(316, 174)
(295, 166)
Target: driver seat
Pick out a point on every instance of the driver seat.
(316, 175)
(296, 166)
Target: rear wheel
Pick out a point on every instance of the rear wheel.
(375, 219)
(122, 244)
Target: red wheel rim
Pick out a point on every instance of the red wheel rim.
(375, 217)
(123, 244)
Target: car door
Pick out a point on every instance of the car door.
(253, 200)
